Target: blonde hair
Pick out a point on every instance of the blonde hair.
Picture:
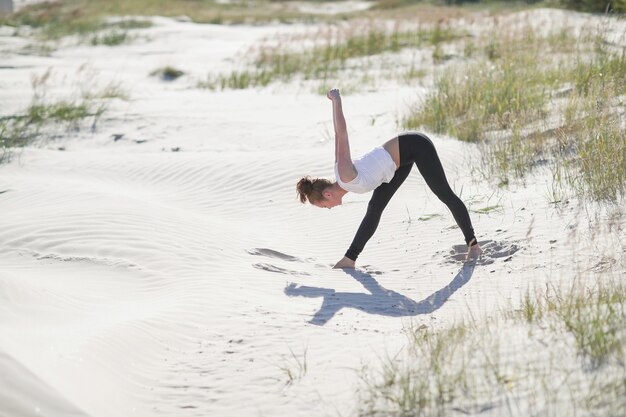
(311, 189)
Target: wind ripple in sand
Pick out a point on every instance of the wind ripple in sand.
(274, 268)
(270, 253)
(87, 259)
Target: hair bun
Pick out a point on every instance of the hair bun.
(312, 189)
(304, 188)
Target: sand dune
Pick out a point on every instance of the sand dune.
(137, 280)
(21, 386)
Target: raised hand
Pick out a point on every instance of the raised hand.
(333, 94)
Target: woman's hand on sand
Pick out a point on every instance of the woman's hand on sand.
(344, 263)
(474, 252)
(333, 94)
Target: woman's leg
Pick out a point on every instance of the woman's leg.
(421, 150)
(378, 202)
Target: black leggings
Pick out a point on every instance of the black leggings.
(414, 148)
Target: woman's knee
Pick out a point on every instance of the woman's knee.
(447, 196)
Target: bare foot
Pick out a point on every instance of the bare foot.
(474, 252)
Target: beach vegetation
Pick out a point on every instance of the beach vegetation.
(57, 19)
(595, 6)
(60, 112)
(527, 109)
(295, 366)
(129, 24)
(591, 314)
(401, 389)
(111, 38)
(54, 20)
(112, 90)
(42, 118)
(513, 362)
(46, 116)
(13, 134)
(339, 50)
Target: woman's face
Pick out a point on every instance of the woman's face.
(330, 200)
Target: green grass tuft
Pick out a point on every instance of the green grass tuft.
(325, 61)
(468, 104)
(83, 17)
(594, 316)
(55, 20)
(512, 364)
(43, 117)
(504, 100)
(113, 38)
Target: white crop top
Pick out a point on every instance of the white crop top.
(373, 168)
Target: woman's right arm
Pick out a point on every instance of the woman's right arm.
(347, 171)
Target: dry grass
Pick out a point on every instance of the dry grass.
(510, 96)
(46, 116)
(485, 365)
(84, 17)
(338, 49)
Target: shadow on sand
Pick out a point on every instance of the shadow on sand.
(379, 300)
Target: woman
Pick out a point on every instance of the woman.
(383, 170)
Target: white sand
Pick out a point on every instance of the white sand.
(139, 281)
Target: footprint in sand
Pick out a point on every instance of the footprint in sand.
(492, 251)
(271, 253)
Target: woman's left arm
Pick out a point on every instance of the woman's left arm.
(345, 262)
(347, 171)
